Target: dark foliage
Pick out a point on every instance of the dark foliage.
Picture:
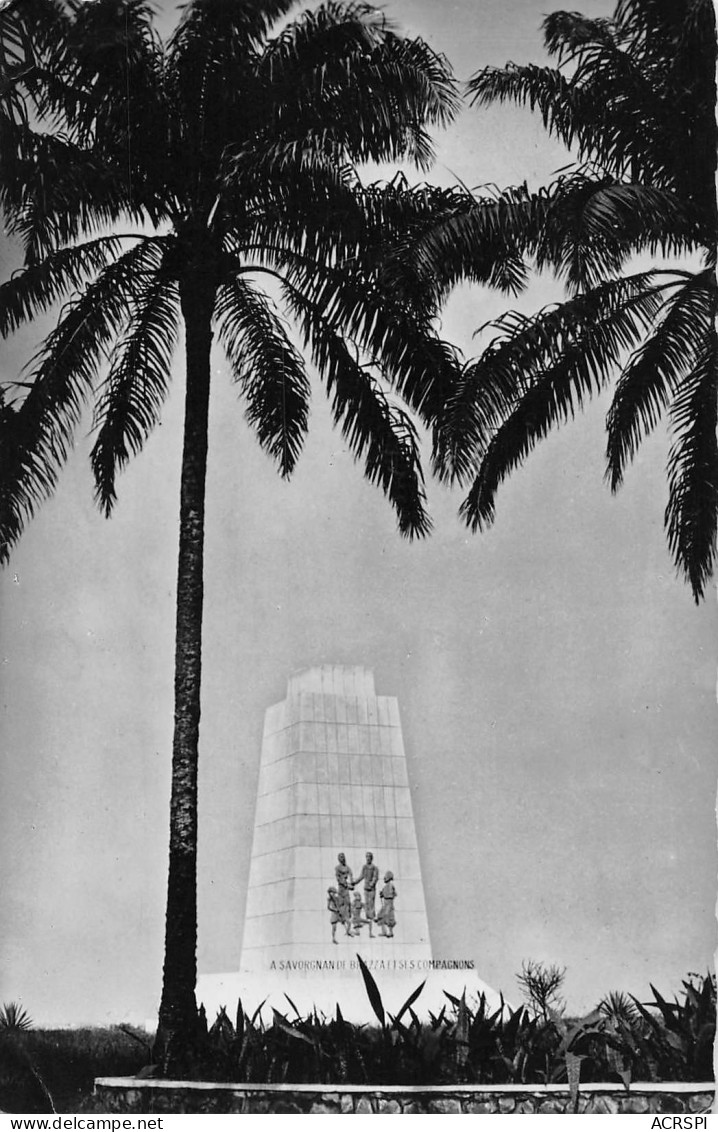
(634, 96)
(465, 1043)
(623, 1040)
(42, 1070)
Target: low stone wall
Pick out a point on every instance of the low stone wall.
(136, 1095)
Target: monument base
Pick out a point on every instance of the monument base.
(315, 985)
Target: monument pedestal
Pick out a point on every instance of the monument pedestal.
(335, 847)
(322, 989)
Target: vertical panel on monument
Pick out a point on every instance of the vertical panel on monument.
(333, 779)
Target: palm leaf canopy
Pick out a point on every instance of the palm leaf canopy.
(635, 93)
(634, 97)
(226, 154)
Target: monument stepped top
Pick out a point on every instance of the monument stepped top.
(333, 680)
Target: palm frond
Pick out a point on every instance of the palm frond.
(544, 89)
(654, 374)
(635, 96)
(372, 227)
(554, 374)
(379, 433)
(27, 29)
(640, 98)
(209, 28)
(465, 237)
(692, 512)
(653, 23)
(37, 287)
(419, 365)
(211, 84)
(288, 185)
(567, 33)
(473, 412)
(18, 62)
(341, 68)
(609, 110)
(43, 426)
(113, 101)
(526, 355)
(584, 227)
(290, 62)
(647, 219)
(110, 46)
(129, 404)
(389, 232)
(60, 191)
(17, 51)
(105, 153)
(268, 368)
(592, 225)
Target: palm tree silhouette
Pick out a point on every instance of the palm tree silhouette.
(175, 176)
(635, 97)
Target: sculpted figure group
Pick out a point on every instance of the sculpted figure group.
(353, 912)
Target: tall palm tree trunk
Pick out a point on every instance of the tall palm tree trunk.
(178, 1008)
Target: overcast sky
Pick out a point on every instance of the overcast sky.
(554, 677)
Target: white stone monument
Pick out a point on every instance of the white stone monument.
(333, 781)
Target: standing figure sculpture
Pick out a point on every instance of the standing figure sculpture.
(386, 918)
(370, 876)
(345, 882)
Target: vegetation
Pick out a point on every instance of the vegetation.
(167, 179)
(541, 985)
(623, 1040)
(14, 1018)
(465, 1043)
(634, 97)
(54, 1070)
(221, 158)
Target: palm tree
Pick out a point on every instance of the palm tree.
(635, 97)
(176, 175)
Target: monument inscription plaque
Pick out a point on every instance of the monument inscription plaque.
(335, 867)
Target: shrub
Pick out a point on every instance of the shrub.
(623, 1040)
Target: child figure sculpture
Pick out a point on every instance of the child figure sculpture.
(358, 917)
(337, 911)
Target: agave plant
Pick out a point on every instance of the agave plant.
(14, 1018)
(621, 1039)
(681, 1033)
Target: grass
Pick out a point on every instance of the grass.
(46, 1070)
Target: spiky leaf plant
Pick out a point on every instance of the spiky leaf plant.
(14, 1018)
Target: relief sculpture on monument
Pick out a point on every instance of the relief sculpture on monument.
(355, 913)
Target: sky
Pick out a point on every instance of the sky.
(555, 679)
